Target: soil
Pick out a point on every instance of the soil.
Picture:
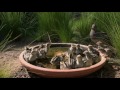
(9, 62)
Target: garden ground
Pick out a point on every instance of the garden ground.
(12, 68)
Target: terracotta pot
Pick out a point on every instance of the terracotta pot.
(56, 73)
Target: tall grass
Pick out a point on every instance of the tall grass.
(59, 23)
(5, 41)
(18, 23)
(109, 22)
(81, 27)
(106, 21)
(29, 25)
(13, 21)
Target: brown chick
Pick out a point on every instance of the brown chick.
(89, 61)
(92, 50)
(79, 62)
(111, 52)
(103, 53)
(79, 50)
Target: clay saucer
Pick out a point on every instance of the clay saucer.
(56, 73)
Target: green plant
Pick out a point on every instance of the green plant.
(19, 23)
(109, 22)
(29, 25)
(13, 21)
(7, 39)
(81, 27)
(55, 23)
(4, 74)
(106, 22)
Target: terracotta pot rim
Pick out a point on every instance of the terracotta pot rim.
(28, 65)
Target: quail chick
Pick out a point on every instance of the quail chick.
(47, 47)
(27, 53)
(70, 62)
(72, 49)
(43, 49)
(103, 53)
(27, 49)
(33, 56)
(63, 65)
(79, 50)
(42, 53)
(100, 45)
(95, 58)
(89, 60)
(111, 52)
(79, 62)
(36, 48)
(92, 50)
(96, 36)
(62, 60)
(56, 60)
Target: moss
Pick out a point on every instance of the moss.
(4, 73)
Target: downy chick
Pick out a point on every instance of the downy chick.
(70, 62)
(103, 53)
(33, 56)
(64, 61)
(92, 50)
(43, 49)
(42, 54)
(100, 45)
(79, 50)
(95, 58)
(111, 51)
(27, 53)
(55, 60)
(79, 62)
(72, 50)
(89, 60)
(63, 65)
(94, 53)
(47, 47)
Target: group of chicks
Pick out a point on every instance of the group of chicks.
(106, 51)
(77, 57)
(37, 52)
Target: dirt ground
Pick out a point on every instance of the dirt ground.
(9, 63)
